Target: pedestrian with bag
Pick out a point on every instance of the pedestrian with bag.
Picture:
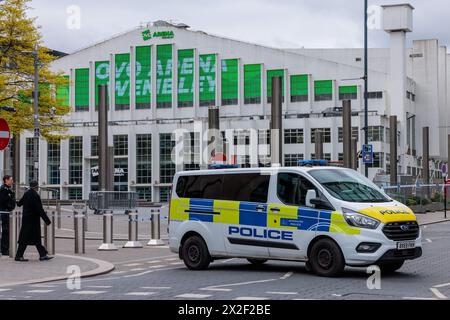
(30, 233)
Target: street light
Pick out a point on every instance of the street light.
(366, 94)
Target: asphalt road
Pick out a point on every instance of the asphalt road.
(165, 277)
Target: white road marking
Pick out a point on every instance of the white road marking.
(42, 286)
(138, 269)
(139, 293)
(3, 290)
(176, 263)
(156, 288)
(144, 260)
(158, 266)
(193, 296)
(86, 292)
(118, 272)
(417, 298)
(100, 287)
(437, 293)
(282, 293)
(172, 259)
(149, 271)
(39, 291)
(156, 261)
(429, 240)
(251, 298)
(132, 265)
(216, 289)
(240, 283)
(336, 295)
(442, 285)
(287, 275)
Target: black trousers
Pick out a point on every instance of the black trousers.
(5, 234)
(22, 247)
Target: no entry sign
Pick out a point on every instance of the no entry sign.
(5, 135)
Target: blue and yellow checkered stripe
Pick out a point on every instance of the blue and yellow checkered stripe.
(259, 215)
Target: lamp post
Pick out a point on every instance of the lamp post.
(366, 85)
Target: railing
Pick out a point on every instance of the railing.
(110, 200)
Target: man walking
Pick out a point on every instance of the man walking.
(30, 233)
(7, 204)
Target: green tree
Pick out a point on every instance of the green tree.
(19, 37)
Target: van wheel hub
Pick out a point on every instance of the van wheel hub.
(325, 258)
(194, 253)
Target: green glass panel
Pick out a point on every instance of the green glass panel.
(62, 92)
(207, 77)
(101, 78)
(164, 76)
(348, 89)
(230, 79)
(186, 77)
(299, 85)
(82, 89)
(274, 73)
(252, 81)
(143, 77)
(323, 87)
(122, 98)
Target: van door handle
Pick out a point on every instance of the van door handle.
(260, 207)
(275, 209)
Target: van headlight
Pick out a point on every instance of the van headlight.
(359, 220)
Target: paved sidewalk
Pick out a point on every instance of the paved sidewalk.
(432, 217)
(35, 271)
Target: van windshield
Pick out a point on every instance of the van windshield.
(349, 185)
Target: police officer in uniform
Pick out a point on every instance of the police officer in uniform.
(7, 204)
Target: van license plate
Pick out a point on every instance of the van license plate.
(406, 245)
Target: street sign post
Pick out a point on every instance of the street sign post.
(5, 134)
(367, 154)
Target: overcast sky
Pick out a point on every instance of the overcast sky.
(278, 23)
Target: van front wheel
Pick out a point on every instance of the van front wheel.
(195, 253)
(326, 258)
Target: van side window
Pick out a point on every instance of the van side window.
(248, 187)
(292, 189)
(200, 187)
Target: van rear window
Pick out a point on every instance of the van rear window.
(247, 187)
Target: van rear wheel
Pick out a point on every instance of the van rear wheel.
(326, 258)
(195, 254)
(257, 262)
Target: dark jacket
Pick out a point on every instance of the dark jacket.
(30, 233)
(7, 199)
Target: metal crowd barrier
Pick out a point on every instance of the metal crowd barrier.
(111, 200)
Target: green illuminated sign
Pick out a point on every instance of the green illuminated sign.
(207, 79)
(230, 80)
(186, 78)
(143, 77)
(122, 96)
(164, 61)
(101, 77)
(148, 34)
(270, 74)
(82, 89)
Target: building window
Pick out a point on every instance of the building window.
(81, 90)
(53, 163)
(376, 133)
(348, 93)
(94, 175)
(264, 161)
(164, 194)
(323, 90)
(207, 80)
(191, 151)
(252, 84)
(293, 136)
(76, 160)
(144, 158)
(241, 138)
(30, 152)
(291, 160)
(121, 174)
(143, 77)
(326, 135)
(94, 146)
(244, 161)
(230, 80)
(102, 70)
(186, 78)
(144, 193)
(122, 98)
(121, 145)
(326, 156)
(270, 75)
(375, 95)
(164, 76)
(75, 194)
(355, 134)
(299, 88)
(378, 160)
(263, 137)
(167, 166)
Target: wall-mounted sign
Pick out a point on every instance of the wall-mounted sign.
(148, 34)
(367, 154)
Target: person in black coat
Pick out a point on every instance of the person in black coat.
(7, 204)
(30, 232)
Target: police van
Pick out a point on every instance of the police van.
(327, 217)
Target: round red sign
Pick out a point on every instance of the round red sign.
(5, 134)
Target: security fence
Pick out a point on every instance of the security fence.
(421, 198)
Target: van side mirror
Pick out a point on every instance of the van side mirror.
(310, 195)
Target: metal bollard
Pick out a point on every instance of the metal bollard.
(49, 235)
(108, 244)
(58, 210)
(156, 230)
(85, 220)
(133, 241)
(14, 231)
(78, 226)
